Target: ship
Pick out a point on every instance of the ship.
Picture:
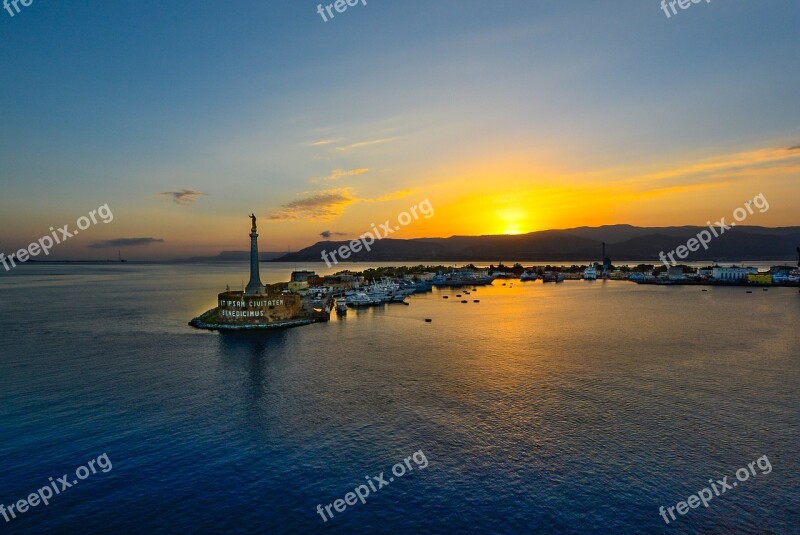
(550, 276)
(360, 299)
(590, 273)
(463, 277)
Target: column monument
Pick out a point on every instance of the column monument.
(254, 287)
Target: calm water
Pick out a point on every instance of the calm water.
(577, 408)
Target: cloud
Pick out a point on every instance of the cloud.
(321, 143)
(326, 234)
(362, 144)
(399, 194)
(125, 242)
(184, 196)
(326, 205)
(722, 169)
(339, 173)
(319, 206)
(796, 147)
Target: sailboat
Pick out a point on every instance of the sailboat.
(119, 255)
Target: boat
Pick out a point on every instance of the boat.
(529, 276)
(359, 299)
(549, 276)
(341, 306)
(590, 273)
(461, 278)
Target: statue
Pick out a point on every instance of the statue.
(253, 217)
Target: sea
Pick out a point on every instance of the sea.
(579, 407)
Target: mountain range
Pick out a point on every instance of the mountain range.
(584, 244)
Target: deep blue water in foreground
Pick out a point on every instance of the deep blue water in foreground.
(572, 408)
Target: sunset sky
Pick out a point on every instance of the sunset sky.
(509, 116)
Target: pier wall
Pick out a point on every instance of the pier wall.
(237, 308)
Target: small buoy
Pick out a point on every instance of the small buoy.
(458, 295)
(428, 320)
(765, 289)
(748, 291)
(476, 300)
(705, 290)
(445, 297)
(465, 301)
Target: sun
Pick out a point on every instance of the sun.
(511, 220)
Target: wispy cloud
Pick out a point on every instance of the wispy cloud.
(336, 174)
(184, 196)
(125, 242)
(321, 142)
(319, 206)
(327, 204)
(399, 194)
(721, 169)
(362, 144)
(326, 234)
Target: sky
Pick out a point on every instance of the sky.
(508, 117)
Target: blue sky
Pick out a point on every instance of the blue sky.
(538, 108)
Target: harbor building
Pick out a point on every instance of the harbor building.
(759, 278)
(732, 274)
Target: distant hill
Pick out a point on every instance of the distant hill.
(624, 242)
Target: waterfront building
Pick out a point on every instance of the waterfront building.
(732, 274)
(300, 276)
(298, 286)
(759, 278)
(705, 273)
(675, 273)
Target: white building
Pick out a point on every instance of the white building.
(732, 274)
(675, 273)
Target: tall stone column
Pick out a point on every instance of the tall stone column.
(254, 287)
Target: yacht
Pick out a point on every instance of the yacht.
(590, 273)
(359, 299)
